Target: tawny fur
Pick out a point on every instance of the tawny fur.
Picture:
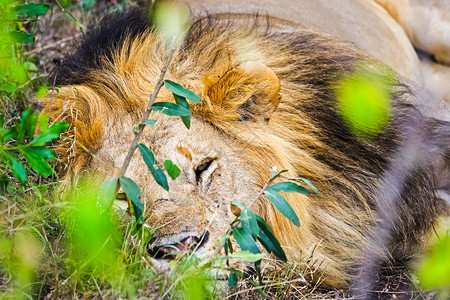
(259, 91)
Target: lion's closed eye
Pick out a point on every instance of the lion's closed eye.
(201, 169)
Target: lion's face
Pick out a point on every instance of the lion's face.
(267, 99)
(195, 211)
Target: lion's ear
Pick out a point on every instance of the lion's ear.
(249, 92)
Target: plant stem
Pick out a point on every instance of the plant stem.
(147, 112)
(222, 244)
(68, 14)
(263, 189)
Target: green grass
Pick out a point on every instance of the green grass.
(62, 243)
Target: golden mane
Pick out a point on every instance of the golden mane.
(311, 143)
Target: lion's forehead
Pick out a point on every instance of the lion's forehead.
(169, 139)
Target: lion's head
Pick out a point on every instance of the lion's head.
(267, 100)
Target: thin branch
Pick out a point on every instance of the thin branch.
(147, 112)
(264, 188)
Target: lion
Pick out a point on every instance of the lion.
(390, 31)
(427, 24)
(268, 98)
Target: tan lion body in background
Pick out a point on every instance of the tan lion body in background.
(389, 30)
(267, 100)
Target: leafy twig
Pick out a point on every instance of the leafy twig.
(263, 189)
(147, 112)
(222, 244)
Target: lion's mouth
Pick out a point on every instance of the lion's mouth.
(170, 251)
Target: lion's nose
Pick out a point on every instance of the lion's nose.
(170, 250)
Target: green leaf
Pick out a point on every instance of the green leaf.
(30, 66)
(225, 246)
(230, 245)
(149, 157)
(4, 182)
(132, 191)
(269, 240)
(17, 73)
(275, 173)
(50, 134)
(434, 269)
(43, 152)
(31, 9)
(238, 204)
(30, 125)
(283, 206)
(9, 88)
(233, 278)
(182, 101)
(249, 222)
(106, 193)
(247, 256)
(2, 134)
(160, 178)
(245, 240)
(150, 161)
(171, 109)
(18, 170)
(309, 184)
(20, 132)
(87, 3)
(43, 121)
(179, 90)
(42, 91)
(134, 129)
(149, 122)
(172, 169)
(38, 163)
(186, 121)
(21, 37)
(28, 122)
(11, 133)
(258, 288)
(289, 187)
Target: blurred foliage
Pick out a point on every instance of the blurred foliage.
(364, 100)
(15, 70)
(22, 254)
(92, 239)
(172, 19)
(18, 143)
(434, 270)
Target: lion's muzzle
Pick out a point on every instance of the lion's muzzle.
(158, 248)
